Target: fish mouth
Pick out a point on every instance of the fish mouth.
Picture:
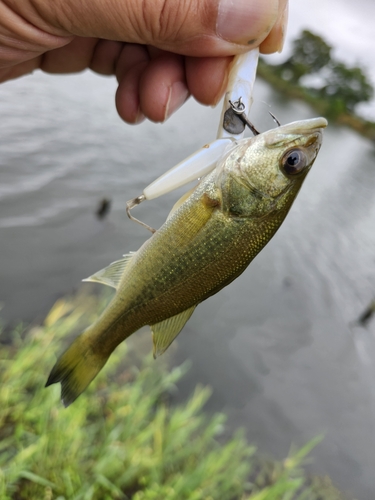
(313, 140)
(303, 127)
(310, 143)
(306, 130)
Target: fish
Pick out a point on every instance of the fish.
(210, 237)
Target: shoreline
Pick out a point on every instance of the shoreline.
(363, 127)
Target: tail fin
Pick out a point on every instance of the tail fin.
(76, 368)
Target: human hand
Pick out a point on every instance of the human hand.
(161, 51)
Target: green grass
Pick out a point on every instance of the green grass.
(121, 439)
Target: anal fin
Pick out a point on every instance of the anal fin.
(112, 274)
(164, 333)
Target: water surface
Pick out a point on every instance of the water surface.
(276, 345)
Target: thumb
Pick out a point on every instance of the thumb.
(188, 27)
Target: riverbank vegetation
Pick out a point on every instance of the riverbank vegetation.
(331, 87)
(122, 438)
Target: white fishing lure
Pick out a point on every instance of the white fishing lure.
(237, 102)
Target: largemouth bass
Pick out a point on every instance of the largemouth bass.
(208, 240)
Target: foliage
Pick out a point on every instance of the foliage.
(120, 439)
(349, 85)
(310, 54)
(333, 109)
(342, 87)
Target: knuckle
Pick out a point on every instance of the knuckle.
(173, 21)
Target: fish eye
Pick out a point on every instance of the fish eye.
(294, 161)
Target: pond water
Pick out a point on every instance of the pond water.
(277, 345)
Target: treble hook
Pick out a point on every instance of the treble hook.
(275, 119)
(239, 108)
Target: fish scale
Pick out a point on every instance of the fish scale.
(208, 240)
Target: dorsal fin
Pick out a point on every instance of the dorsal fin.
(164, 333)
(112, 274)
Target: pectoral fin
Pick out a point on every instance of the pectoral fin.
(112, 274)
(164, 333)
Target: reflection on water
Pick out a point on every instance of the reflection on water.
(276, 346)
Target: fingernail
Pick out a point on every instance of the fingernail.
(139, 117)
(178, 93)
(244, 22)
